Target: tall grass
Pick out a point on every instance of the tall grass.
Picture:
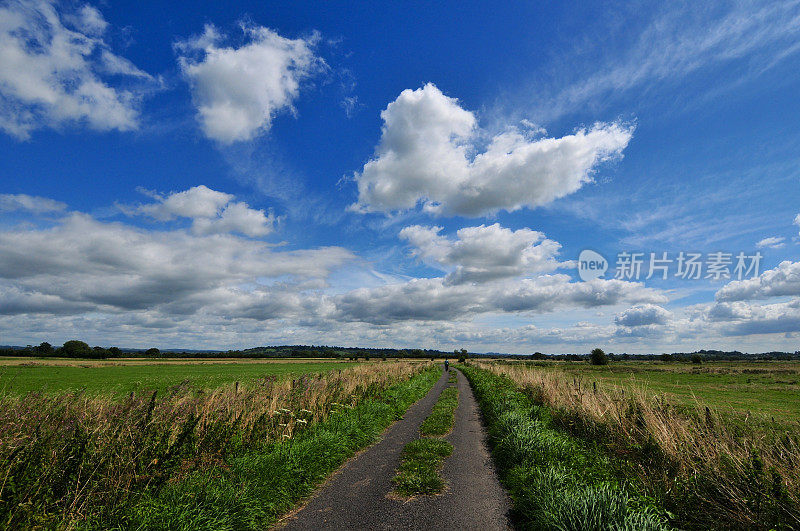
(706, 468)
(74, 458)
(556, 481)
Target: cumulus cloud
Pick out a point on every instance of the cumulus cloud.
(743, 319)
(212, 212)
(484, 253)
(84, 264)
(783, 280)
(237, 217)
(50, 71)
(729, 311)
(643, 315)
(114, 280)
(435, 299)
(429, 154)
(773, 242)
(238, 91)
(30, 203)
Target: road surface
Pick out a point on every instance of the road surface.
(359, 496)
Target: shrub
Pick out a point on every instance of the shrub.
(598, 357)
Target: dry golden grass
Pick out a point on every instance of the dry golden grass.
(723, 466)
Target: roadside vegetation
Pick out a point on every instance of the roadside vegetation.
(441, 419)
(556, 481)
(419, 468)
(235, 457)
(421, 460)
(708, 467)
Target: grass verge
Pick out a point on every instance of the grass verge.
(555, 480)
(442, 417)
(422, 460)
(419, 469)
(253, 489)
(706, 467)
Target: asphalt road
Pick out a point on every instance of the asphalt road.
(358, 495)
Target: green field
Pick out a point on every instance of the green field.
(119, 378)
(763, 388)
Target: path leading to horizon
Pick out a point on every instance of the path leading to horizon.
(358, 495)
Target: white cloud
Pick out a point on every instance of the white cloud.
(49, 71)
(89, 20)
(434, 299)
(429, 155)
(91, 266)
(196, 202)
(238, 91)
(14, 202)
(212, 212)
(781, 281)
(484, 253)
(643, 315)
(729, 311)
(237, 217)
(734, 42)
(797, 220)
(743, 319)
(773, 242)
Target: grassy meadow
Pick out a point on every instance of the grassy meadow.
(765, 389)
(235, 444)
(210, 457)
(19, 376)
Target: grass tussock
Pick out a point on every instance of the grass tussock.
(707, 469)
(234, 457)
(556, 481)
(419, 469)
(442, 417)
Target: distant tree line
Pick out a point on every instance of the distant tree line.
(80, 349)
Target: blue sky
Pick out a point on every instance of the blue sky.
(209, 176)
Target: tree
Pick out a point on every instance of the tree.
(598, 357)
(114, 351)
(76, 349)
(152, 352)
(538, 356)
(462, 356)
(697, 359)
(45, 349)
